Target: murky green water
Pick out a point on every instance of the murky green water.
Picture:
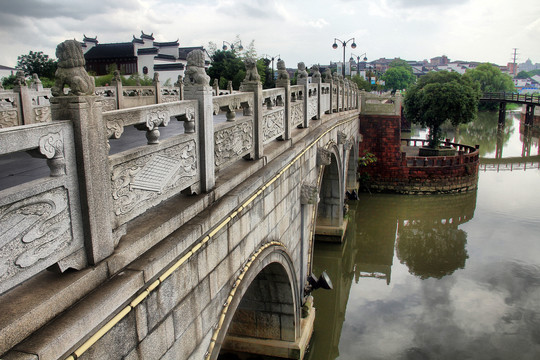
(439, 277)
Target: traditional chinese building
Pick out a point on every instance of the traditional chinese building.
(141, 55)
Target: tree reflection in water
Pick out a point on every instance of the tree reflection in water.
(431, 248)
(423, 229)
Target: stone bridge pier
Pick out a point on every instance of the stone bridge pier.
(190, 246)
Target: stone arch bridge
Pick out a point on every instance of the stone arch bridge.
(190, 242)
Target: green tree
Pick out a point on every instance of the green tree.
(400, 63)
(9, 82)
(398, 78)
(226, 65)
(362, 83)
(37, 63)
(490, 79)
(522, 75)
(441, 96)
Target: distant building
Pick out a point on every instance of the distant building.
(439, 60)
(528, 66)
(6, 71)
(142, 55)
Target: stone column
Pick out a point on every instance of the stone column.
(93, 170)
(25, 101)
(284, 82)
(335, 81)
(83, 108)
(180, 85)
(197, 87)
(302, 79)
(117, 83)
(157, 87)
(252, 83)
(317, 79)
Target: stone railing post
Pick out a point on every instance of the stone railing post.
(328, 80)
(180, 85)
(284, 82)
(25, 100)
(157, 88)
(197, 87)
(117, 83)
(317, 79)
(302, 79)
(335, 81)
(252, 83)
(83, 108)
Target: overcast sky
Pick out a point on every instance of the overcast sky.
(476, 30)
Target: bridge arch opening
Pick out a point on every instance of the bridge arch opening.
(265, 310)
(329, 222)
(351, 181)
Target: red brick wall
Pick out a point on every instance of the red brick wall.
(381, 135)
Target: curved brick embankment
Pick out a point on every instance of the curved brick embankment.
(399, 169)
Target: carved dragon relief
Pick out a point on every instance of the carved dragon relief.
(232, 142)
(273, 125)
(160, 172)
(32, 230)
(297, 114)
(312, 107)
(8, 118)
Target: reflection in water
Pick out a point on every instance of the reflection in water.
(438, 277)
(484, 131)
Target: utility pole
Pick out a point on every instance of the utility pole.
(514, 69)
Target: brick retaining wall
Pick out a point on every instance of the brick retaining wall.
(394, 171)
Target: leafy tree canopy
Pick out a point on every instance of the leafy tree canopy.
(37, 63)
(522, 75)
(490, 79)
(362, 83)
(400, 63)
(228, 65)
(441, 96)
(398, 78)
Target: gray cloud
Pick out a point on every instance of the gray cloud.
(75, 9)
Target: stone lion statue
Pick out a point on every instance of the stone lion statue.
(71, 71)
(302, 73)
(327, 75)
(282, 73)
(251, 70)
(316, 72)
(195, 73)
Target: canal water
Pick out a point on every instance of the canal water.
(440, 277)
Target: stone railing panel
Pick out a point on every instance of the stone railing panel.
(10, 113)
(313, 104)
(144, 176)
(273, 124)
(134, 96)
(232, 102)
(335, 102)
(273, 114)
(297, 105)
(297, 113)
(170, 94)
(107, 94)
(325, 98)
(41, 106)
(232, 141)
(40, 220)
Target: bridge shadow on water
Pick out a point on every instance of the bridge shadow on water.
(421, 232)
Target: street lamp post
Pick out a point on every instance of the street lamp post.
(358, 60)
(344, 43)
(240, 47)
(272, 58)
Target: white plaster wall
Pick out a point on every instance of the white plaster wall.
(148, 61)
